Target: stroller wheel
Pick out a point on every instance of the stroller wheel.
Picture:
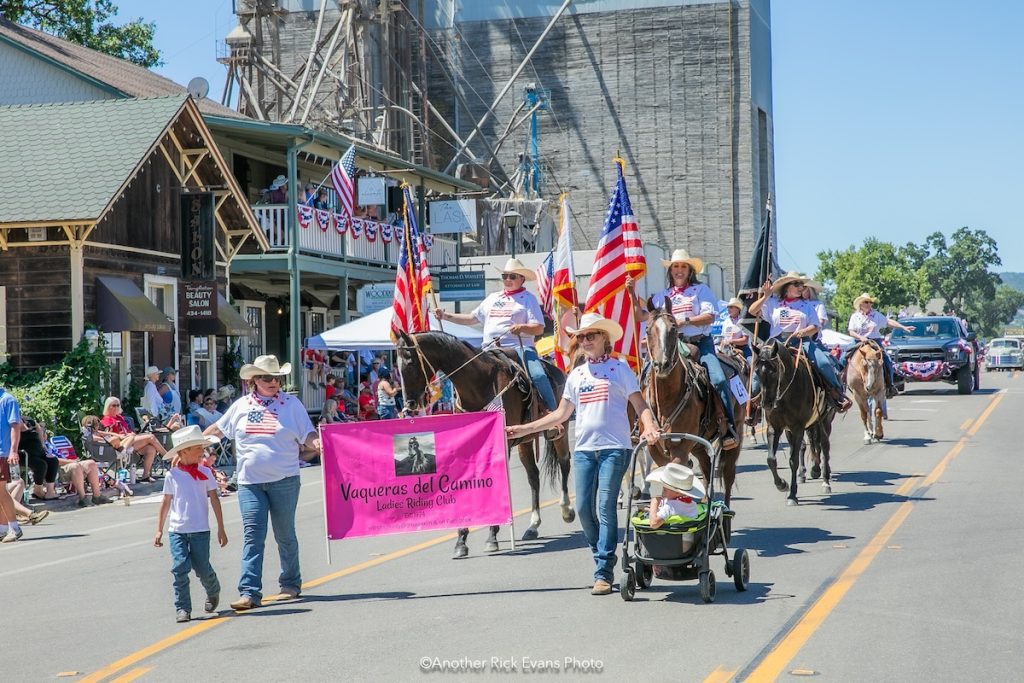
(707, 586)
(627, 587)
(741, 569)
(644, 574)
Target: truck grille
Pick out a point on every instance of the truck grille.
(920, 355)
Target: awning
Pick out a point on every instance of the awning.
(228, 322)
(122, 307)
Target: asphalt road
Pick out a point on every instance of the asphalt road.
(909, 571)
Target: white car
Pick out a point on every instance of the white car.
(1004, 353)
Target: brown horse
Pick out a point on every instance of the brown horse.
(866, 378)
(481, 377)
(679, 393)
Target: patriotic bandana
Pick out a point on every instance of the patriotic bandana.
(513, 292)
(602, 359)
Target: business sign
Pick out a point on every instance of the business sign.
(200, 300)
(375, 297)
(198, 255)
(372, 191)
(414, 474)
(465, 285)
(453, 216)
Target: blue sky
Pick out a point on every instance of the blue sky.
(892, 119)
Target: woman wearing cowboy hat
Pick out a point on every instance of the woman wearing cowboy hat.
(268, 427)
(792, 317)
(866, 326)
(733, 332)
(812, 294)
(598, 391)
(695, 308)
(511, 318)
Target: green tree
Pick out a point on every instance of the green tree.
(959, 270)
(86, 22)
(989, 318)
(880, 268)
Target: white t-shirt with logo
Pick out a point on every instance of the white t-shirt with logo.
(689, 302)
(190, 502)
(500, 311)
(267, 437)
(600, 392)
(788, 317)
(733, 330)
(869, 325)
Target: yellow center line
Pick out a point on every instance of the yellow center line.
(774, 663)
(966, 424)
(720, 675)
(207, 624)
(132, 675)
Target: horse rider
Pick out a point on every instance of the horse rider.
(733, 332)
(866, 326)
(695, 308)
(812, 294)
(512, 318)
(792, 317)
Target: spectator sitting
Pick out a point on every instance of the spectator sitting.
(348, 402)
(331, 387)
(208, 413)
(223, 397)
(144, 444)
(76, 472)
(44, 468)
(329, 414)
(367, 405)
(24, 514)
(195, 403)
(322, 202)
(167, 416)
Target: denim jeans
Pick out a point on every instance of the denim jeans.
(278, 499)
(535, 368)
(387, 412)
(188, 552)
(598, 477)
(716, 375)
(821, 360)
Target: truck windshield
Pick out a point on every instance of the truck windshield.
(942, 329)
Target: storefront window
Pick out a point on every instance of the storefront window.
(115, 358)
(202, 365)
(252, 346)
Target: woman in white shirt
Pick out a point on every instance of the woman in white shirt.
(598, 390)
(866, 326)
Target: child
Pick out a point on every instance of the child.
(186, 488)
(679, 495)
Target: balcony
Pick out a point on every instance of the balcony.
(321, 237)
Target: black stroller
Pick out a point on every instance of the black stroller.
(680, 551)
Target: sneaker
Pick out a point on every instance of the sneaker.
(85, 502)
(10, 537)
(289, 593)
(601, 587)
(101, 500)
(244, 603)
(18, 533)
(37, 516)
(182, 616)
(211, 603)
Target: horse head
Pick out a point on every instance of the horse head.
(769, 368)
(871, 364)
(662, 338)
(414, 380)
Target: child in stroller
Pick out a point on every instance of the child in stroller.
(677, 500)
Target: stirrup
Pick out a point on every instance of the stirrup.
(729, 440)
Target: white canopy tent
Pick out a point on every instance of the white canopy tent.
(834, 338)
(374, 332)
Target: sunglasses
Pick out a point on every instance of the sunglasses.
(510, 276)
(587, 336)
(267, 378)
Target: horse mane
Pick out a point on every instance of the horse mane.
(446, 343)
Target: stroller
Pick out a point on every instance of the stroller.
(680, 551)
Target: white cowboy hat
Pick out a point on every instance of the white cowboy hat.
(264, 365)
(152, 370)
(791, 276)
(810, 283)
(186, 437)
(596, 321)
(514, 265)
(734, 303)
(279, 181)
(683, 256)
(678, 478)
(862, 298)
(225, 392)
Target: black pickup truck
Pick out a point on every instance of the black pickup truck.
(938, 349)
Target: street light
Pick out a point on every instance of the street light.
(511, 220)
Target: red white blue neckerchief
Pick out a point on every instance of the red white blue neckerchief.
(790, 302)
(264, 401)
(602, 359)
(679, 290)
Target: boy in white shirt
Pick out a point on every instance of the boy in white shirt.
(187, 487)
(680, 493)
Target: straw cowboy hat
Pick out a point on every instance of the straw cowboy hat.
(514, 265)
(683, 256)
(279, 181)
(812, 284)
(791, 276)
(264, 365)
(734, 303)
(224, 393)
(678, 478)
(861, 299)
(596, 321)
(186, 437)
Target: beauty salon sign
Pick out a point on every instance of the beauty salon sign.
(414, 474)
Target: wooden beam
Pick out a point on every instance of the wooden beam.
(171, 163)
(193, 166)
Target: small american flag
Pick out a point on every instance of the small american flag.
(545, 278)
(341, 177)
(788, 318)
(594, 391)
(260, 421)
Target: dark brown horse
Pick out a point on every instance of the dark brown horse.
(793, 403)
(479, 378)
(679, 393)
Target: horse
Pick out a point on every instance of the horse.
(682, 398)
(866, 378)
(480, 378)
(793, 402)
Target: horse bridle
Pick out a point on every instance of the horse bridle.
(781, 368)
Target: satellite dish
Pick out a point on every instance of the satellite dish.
(198, 87)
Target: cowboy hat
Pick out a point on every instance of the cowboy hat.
(683, 256)
(734, 303)
(791, 276)
(810, 283)
(596, 321)
(186, 437)
(224, 393)
(862, 298)
(264, 365)
(514, 265)
(152, 370)
(279, 181)
(678, 478)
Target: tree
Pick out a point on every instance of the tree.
(86, 22)
(882, 269)
(959, 271)
(989, 318)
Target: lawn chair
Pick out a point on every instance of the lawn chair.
(108, 458)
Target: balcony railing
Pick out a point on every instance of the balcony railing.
(315, 238)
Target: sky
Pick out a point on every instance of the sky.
(891, 119)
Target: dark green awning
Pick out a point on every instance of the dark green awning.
(122, 307)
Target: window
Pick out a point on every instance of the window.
(252, 346)
(202, 362)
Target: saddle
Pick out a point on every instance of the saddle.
(732, 363)
(535, 407)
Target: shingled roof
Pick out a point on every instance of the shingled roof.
(118, 75)
(60, 162)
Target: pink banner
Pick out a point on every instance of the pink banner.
(414, 474)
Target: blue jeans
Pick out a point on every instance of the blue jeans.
(709, 360)
(188, 552)
(387, 412)
(278, 499)
(598, 477)
(535, 368)
(821, 360)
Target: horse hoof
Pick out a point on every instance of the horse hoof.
(803, 479)
(791, 502)
(568, 515)
(492, 546)
(781, 485)
(529, 535)
(815, 472)
(461, 551)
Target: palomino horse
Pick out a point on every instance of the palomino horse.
(792, 402)
(866, 378)
(479, 378)
(679, 393)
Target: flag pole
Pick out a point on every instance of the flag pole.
(632, 295)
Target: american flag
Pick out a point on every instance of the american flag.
(545, 278)
(260, 421)
(594, 391)
(789, 318)
(341, 176)
(412, 282)
(607, 294)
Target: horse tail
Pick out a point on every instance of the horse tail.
(550, 466)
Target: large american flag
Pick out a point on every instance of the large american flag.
(341, 177)
(607, 294)
(545, 278)
(412, 282)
